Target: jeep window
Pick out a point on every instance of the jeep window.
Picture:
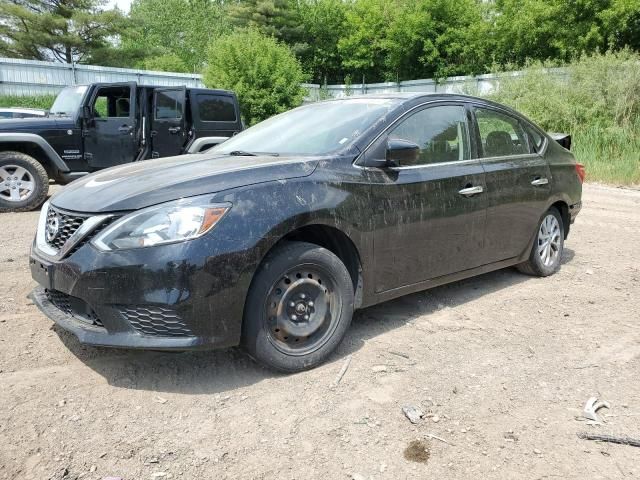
(216, 108)
(169, 104)
(68, 101)
(315, 129)
(112, 102)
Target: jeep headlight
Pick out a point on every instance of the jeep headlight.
(167, 223)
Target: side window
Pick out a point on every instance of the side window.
(112, 102)
(169, 104)
(216, 108)
(535, 139)
(440, 132)
(501, 135)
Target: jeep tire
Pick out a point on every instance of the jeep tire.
(24, 182)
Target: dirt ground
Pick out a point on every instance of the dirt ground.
(501, 366)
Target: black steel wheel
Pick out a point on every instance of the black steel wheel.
(298, 308)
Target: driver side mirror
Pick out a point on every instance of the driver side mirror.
(401, 152)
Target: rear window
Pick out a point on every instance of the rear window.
(535, 139)
(215, 108)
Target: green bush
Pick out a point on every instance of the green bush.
(597, 101)
(263, 72)
(40, 101)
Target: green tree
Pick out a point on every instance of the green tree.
(59, 30)
(399, 40)
(275, 18)
(323, 23)
(264, 73)
(169, 62)
(165, 31)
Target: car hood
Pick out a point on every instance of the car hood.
(33, 124)
(146, 183)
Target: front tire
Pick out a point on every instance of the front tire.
(24, 182)
(299, 307)
(546, 253)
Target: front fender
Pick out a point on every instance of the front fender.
(32, 138)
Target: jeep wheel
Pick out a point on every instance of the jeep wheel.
(24, 182)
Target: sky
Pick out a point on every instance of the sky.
(121, 4)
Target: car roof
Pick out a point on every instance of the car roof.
(408, 96)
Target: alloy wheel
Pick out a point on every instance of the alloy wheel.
(16, 183)
(549, 240)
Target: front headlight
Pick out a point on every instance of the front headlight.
(167, 223)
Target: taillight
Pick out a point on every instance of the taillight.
(580, 170)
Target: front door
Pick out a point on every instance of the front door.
(168, 133)
(518, 182)
(110, 131)
(428, 217)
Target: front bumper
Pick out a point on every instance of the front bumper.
(172, 297)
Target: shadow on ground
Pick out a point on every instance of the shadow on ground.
(225, 370)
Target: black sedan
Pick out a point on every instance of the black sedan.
(272, 239)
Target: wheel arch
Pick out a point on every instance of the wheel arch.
(36, 147)
(333, 239)
(562, 205)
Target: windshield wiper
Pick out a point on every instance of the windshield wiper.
(242, 153)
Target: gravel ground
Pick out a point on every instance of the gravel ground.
(500, 365)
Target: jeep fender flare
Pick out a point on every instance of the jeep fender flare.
(208, 142)
(26, 138)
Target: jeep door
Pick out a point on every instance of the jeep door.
(109, 135)
(518, 181)
(429, 216)
(168, 125)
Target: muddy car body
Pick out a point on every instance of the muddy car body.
(309, 221)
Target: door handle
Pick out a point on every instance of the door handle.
(125, 129)
(469, 191)
(174, 130)
(539, 181)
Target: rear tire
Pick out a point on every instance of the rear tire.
(546, 253)
(24, 182)
(299, 307)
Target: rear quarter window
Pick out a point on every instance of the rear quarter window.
(216, 108)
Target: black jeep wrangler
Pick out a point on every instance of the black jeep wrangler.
(90, 127)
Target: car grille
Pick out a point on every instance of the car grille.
(67, 225)
(74, 307)
(155, 320)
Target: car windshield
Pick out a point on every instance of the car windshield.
(315, 129)
(68, 101)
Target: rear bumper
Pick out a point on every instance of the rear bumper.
(574, 210)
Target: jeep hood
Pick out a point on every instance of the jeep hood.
(33, 124)
(146, 183)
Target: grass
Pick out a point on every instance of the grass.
(40, 101)
(609, 157)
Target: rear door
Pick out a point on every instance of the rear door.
(518, 181)
(109, 135)
(168, 134)
(427, 220)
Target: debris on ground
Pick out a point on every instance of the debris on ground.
(431, 435)
(343, 370)
(591, 407)
(417, 451)
(622, 440)
(414, 414)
